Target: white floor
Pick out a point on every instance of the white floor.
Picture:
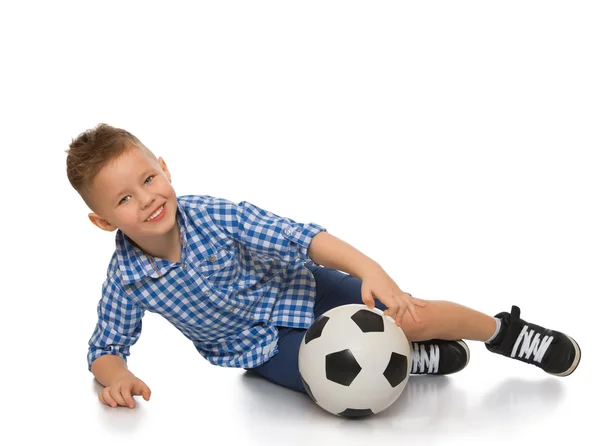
(493, 401)
(456, 143)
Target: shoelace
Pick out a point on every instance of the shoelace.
(422, 362)
(528, 342)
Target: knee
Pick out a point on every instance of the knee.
(431, 322)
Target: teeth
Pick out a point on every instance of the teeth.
(156, 214)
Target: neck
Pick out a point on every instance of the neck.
(167, 247)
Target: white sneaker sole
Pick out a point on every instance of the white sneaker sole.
(575, 361)
(464, 345)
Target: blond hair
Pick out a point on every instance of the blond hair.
(92, 150)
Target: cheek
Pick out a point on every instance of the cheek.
(128, 215)
(168, 190)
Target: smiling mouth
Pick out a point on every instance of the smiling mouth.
(156, 213)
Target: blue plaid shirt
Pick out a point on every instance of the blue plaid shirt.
(242, 273)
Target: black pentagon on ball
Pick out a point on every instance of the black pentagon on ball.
(368, 321)
(395, 372)
(356, 413)
(315, 330)
(341, 367)
(307, 388)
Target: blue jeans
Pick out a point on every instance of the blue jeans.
(334, 288)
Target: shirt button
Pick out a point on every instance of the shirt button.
(213, 259)
(230, 307)
(185, 266)
(206, 293)
(287, 232)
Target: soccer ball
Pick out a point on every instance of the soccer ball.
(354, 361)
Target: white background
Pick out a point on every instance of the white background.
(456, 143)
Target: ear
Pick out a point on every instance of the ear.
(101, 222)
(164, 167)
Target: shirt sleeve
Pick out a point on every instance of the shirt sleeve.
(263, 231)
(119, 324)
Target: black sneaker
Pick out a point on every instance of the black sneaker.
(552, 351)
(439, 357)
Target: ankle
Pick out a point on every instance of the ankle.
(496, 335)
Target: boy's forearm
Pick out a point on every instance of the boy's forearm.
(108, 367)
(328, 250)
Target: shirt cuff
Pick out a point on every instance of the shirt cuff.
(95, 353)
(302, 235)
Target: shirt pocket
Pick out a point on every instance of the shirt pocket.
(221, 268)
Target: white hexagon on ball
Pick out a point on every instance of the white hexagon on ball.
(354, 361)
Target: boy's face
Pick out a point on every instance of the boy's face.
(133, 193)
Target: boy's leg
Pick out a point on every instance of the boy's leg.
(283, 368)
(335, 288)
(448, 320)
(550, 350)
(506, 334)
(431, 354)
(439, 319)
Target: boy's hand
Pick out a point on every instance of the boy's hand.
(120, 392)
(376, 283)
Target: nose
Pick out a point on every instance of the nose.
(146, 199)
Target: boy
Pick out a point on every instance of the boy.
(244, 284)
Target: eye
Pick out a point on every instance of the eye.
(149, 178)
(124, 199)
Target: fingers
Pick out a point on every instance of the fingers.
(399, 316)
(118, 397)
(397, 305)
(410, 306)
(419, 302)
(114, 397)
(126, 393)
(101, 398)
(367, 299)
(107, 398)
(142, 389)
(392, 310)
(413, 312)
(397, 312)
